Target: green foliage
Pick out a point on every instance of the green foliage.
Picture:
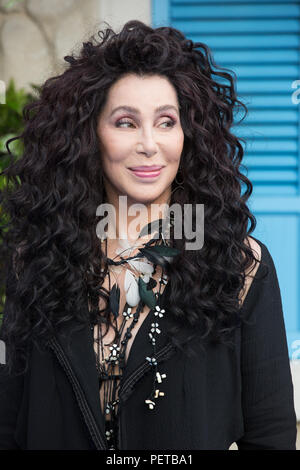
(11, 125)
(11, 120)
(11, 3)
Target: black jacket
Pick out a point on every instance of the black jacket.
(223, 395)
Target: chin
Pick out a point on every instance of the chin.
(142, 198)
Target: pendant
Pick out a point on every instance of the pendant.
(131, 289)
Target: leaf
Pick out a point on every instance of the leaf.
(146, 295)
(165, 250)
(141, 266)
(16, 147)
(131, 289)
(159, 254)
(155, 257)
(150, 228)
(114, 300)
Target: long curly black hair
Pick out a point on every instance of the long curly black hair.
(54, 189)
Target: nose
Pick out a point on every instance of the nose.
(147, 144)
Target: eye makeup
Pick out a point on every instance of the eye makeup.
(130, 109)
(124, 120)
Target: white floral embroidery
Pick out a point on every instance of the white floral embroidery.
(128, 314)
(152, 360)
(150, 403)
(160, 377)
(152, 339)
(155, 328)
(160, 312)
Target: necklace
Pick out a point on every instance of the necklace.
(140, 266)
(138, 286)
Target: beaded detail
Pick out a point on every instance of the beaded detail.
(107, 377)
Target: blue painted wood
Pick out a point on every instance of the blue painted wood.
(265, 86)
(241, 56)
(246, 41)
(263, 131)
(236, 26)
(284, 160)
(161, 12)
(259, 40)
(191, 11)
(233, 2)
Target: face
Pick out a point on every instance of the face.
(146, 131)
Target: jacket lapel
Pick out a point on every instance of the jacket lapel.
(78, 348)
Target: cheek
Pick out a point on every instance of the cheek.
(174, 148)
(114, 151)
(180, 140)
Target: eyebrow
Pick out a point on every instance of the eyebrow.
(130, 109)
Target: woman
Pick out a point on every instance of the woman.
(134, 341)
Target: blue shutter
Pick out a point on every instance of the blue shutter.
(259, 41)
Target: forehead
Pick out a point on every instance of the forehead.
(132, 89)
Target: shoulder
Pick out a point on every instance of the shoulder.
(257, 247)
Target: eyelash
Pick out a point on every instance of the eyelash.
(121, 121)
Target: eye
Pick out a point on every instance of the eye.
(122, 121)
(170, 123)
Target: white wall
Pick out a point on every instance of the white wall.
(117, 12)
(35, 35)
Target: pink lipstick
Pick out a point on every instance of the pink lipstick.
(146, 171)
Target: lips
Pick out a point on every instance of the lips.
(146, 168)
(146, 173)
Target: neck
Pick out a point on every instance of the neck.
(127, 226)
